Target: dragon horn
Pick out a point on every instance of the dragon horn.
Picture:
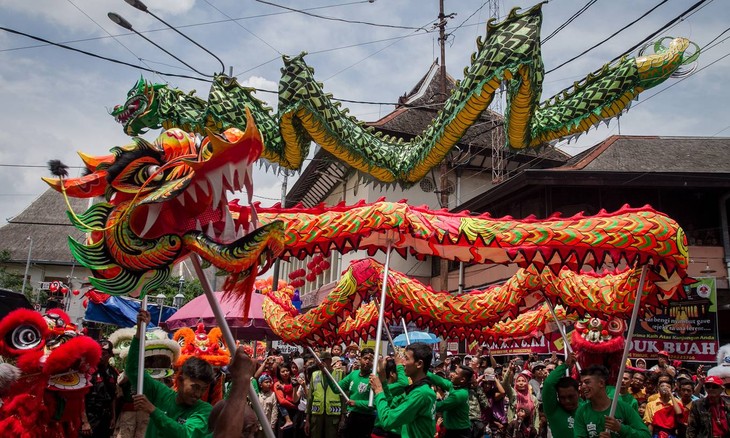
(87, 186)
(92, 161)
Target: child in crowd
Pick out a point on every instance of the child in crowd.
(522, 426)
(267, 397)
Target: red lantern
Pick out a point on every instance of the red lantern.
(325, 264)
(54, 286)
(64, 290)
(85, 303)
(311, 276)
(292, 275)
(311, 265)
(76, 292)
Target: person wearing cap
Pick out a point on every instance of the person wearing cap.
(592, 419)
(663, 365)
(267, 399)
(539, 372)
(100, 400)
(709, 416)
(324, 405)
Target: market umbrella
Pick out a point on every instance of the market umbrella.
(425, 337)
(198, 310)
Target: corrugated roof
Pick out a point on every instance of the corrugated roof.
(656, 154)
(45, 221)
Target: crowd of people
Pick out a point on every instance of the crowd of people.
(415, 394)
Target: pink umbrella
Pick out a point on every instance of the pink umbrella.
(198, 310)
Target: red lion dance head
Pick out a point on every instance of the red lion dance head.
(208, 346)
(56, 364)
(599, 342)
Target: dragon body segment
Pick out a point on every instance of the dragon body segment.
(500, 311)
(510, 52)
(635, 235)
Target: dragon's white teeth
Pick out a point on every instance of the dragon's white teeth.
(229, 231)
(229, 174)
(197, 225)
(210, 231)
(153, 211)
(192, 192)
(204, 187)
(216, 186)
(181, 199)
(240, 232)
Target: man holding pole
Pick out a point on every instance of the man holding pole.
(172, 414)
(324, 407)
(592, 419)
(360, 417)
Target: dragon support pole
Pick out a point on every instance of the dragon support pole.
(627, 346)
(228, 336)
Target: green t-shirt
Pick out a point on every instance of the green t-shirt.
(411, 412)
(455, 406)
(589, 423)
(396, 388)
(559, 420)
(358, 389)
(170, 419)
(630, 400)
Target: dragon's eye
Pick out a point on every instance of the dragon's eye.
(153, 172)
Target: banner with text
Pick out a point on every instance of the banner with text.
(687, 329)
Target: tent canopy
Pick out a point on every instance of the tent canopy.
(122, 311)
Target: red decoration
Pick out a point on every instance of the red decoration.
(54, 286)
(76, 292)
(311, 277)
(325, 264)
(85, 303)
(64, 290)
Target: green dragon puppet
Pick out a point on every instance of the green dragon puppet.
(510, 53)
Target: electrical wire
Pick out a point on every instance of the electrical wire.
(343, 20)
(182, 26)
(569, 20)
(472, 14)
(105, 58)
(243, 27)
(613, 35)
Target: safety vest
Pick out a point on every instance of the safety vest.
(325, 401)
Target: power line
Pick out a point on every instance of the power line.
(182, 26)
(613, 35)
(94, 55)
(472, 14)
(343, 20)
(570, 20)
(244, 28)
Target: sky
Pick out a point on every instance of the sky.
(54, 102)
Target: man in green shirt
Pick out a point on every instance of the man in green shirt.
(413, 411)
(360, 417)
(455, 405)
(561, 399)
(626, 396)
(173, 414)
(592, 420)
(394, 374)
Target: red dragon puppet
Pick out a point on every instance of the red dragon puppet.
(56, 364)
(599, 342)
(208, 346)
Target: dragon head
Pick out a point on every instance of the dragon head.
(140, 111)
(164, 200)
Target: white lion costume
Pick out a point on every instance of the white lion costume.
(722, 370)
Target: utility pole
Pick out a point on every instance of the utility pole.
(275, 282)
(444, 180)
(497, 133)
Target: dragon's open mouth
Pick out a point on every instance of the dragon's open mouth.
(131, 109)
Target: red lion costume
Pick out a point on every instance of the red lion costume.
(56, 363)
(599, 342)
